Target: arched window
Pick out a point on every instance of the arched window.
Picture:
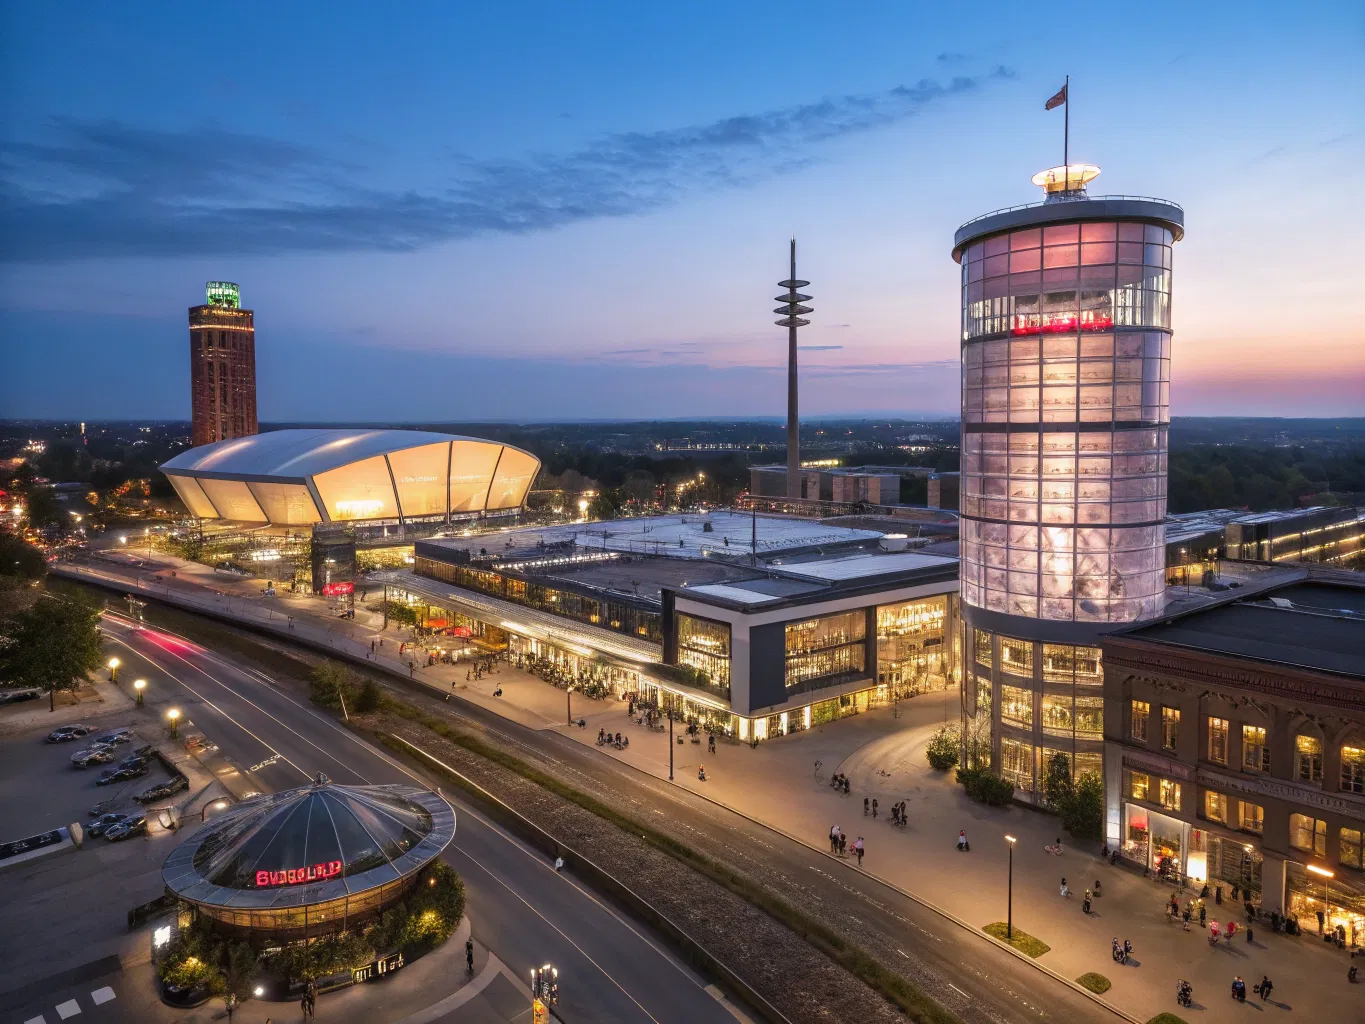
(1307, 758)
(1353, 769)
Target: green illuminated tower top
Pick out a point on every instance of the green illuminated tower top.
(224, 293)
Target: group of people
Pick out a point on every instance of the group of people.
(839, 782)
(1239, 988)
(605, 738)
(838, 843)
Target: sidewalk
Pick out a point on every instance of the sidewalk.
(882, 753)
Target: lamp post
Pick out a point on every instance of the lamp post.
(138, 686)
(113, 670)
(1009, 906)
(217, 805)
(670, 741)
(173, 715)
(1326, 877)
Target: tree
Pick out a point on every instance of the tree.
(942, 751)
(238, 967)
(1057, 781)
(606, 504)
(370, 698)
(52, 645)
(45, 512)
(1083, 811)
(330, 683)
(20, 558)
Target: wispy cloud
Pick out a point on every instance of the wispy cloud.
(107, 189)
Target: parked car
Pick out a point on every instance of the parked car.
(16, 696)
(116, 737)
(104, 822)
(68, 732)
(164, 789)
(98, 754)
(122, 772)
(134, 826)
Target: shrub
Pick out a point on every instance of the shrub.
(329, 682)
(193, 959)
(370, 698)
(425, 917)
(1096, 983)
(984, 786)
(942, 751)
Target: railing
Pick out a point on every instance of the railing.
(1029, 206)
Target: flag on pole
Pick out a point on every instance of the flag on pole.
(1057, 100)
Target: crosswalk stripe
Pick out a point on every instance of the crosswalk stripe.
(40, 1019)
(102, 995)
(68, 1009)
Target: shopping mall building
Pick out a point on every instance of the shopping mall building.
(754, 626)
(1236, 743)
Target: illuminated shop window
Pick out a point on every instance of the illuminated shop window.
(1141, 713)
(1170, 727)
(1139, 785)
(1215, 806)
(705, 645)
(1308, 834)
(982, 645)
(1089, 716)
(1218, 740)
(1170, 795)
(1351, 848)
(912, 648)
(1016, 656)
(1255, 752)
(826, 648)
(1308, 758)
(1353, 769)
(1016, 762)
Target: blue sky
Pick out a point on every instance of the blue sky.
(530, 211)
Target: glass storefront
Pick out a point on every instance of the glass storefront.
(913, 653)
(823, 650)
(704, 645)
(1340, 899)
(1154, 840)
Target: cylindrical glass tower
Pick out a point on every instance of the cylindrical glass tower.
(1066, 345)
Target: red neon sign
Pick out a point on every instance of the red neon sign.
(332, 589)
(1060, 323)
(296, 876)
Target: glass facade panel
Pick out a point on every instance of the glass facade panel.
(1016, 706)
(193, 496)
(471, 473)
(913, 653)
(290, 504)
(1016, 763)
(826, 648)
(1350, 854)
(233, 500)
(1170, 727)
(515, 474)
(420, 474)
(1016, 657)
(1353, 769)
(361, 490)
(705, 645)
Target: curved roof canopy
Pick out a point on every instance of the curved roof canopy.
(310, 845)
(302, 476)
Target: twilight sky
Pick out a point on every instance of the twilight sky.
(520, 211)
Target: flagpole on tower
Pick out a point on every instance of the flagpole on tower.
(1066, 131)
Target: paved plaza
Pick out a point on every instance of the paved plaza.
(882, 753)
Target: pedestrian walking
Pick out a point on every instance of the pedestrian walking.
(874, 809)
(843, 843)
(858, 850)
(1239, 989)
(865, 807)
(1264, 988)
(1064, 890)
(371, 646)
(1322, 919)
(412, 669)
(1203, 914)
(711, 743)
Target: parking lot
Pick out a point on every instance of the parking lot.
(70, 908)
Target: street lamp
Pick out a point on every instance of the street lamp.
(1009, 912)
(139, 685)
(113, 670)
(217, 805)
(174, 716)
(1326, 877)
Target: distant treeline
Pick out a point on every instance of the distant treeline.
(1261, 477)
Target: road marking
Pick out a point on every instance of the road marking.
(102, 995)
(460, 996)
(40, 1019)
(958, 991)
(68, 1009)
(903, 953)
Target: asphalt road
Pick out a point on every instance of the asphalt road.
(969, 976)
(610, 969)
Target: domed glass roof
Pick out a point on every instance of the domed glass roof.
(320, 842)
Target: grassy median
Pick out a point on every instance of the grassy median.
(897, 990)
(1022, 941)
